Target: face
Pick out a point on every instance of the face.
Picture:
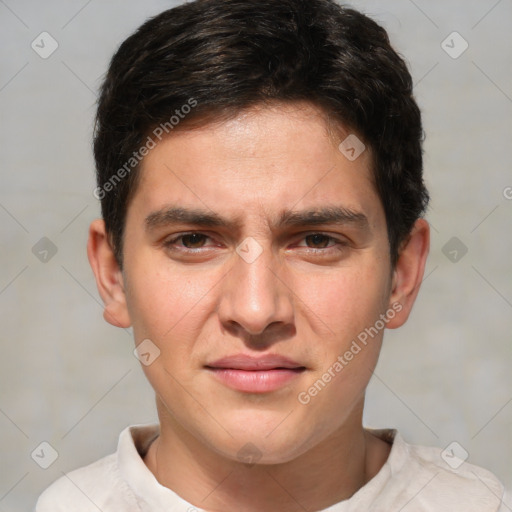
(256, 262)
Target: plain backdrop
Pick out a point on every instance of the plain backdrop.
(71, 380)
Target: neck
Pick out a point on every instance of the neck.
(329, 472)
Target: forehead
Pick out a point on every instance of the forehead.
(265, 160)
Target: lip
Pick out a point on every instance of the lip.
(255, 374)
(252, 363)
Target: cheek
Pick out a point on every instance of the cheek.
(345, 303)
(164, 302)
(350, 308)
(351, 305)
(167, 307)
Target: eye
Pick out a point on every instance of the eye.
(189, 241)
(193, 240)
(320, 241)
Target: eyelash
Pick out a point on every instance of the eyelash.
(170, 244)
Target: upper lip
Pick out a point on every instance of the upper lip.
(247, 362)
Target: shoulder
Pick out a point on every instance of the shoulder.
(433, 479)
(86, 489)
(104, 484)
(101, 485)
(506, 505)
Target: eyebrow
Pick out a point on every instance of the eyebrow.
(332, 215)
(326, 215)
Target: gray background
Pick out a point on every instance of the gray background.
(71, 379)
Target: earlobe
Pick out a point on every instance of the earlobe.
(109, 278)
(408, 273)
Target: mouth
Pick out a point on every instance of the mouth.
(255, 374)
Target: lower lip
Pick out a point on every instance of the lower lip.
(256, 381)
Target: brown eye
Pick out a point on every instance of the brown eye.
(318, 241)
(193, 240)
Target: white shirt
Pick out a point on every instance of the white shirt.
(413, 479)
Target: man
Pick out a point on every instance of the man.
(260, 174)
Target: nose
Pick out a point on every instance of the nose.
(255, 299)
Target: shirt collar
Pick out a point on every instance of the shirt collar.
(134, 442)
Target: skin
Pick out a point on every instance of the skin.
(304, 297)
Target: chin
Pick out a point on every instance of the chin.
(264, 440)
(260, 451)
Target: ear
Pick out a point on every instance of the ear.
(408, 273)
(109, 277)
